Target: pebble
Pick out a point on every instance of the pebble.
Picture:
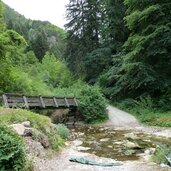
(104, 140)
(77, 142)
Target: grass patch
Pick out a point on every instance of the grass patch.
(156, 119)
(41, 123)
(161, 155)
(12, 116)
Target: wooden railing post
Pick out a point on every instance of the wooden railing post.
(42, 102)
(26, 102)
(66, 102)
(5, 100)
(75, 102)
(55, 101)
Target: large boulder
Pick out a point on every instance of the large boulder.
(18, 128)
(22, 129)
(27, 124)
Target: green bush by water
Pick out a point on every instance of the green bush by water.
(161, 154)
(92, 105)
(62, 130)
(56, 141)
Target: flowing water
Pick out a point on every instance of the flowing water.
(121, 145)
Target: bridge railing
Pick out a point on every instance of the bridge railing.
(23, 101)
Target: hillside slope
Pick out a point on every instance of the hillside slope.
(42, 36)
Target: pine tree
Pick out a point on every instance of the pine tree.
(145, 63)
(115, 31)
(40, 45)
(95, 31)
(83, 27)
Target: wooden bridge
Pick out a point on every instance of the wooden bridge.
(41, 102)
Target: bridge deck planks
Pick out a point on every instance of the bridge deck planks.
(23, 101)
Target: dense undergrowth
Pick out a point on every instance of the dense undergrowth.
(12, 154)
(162, 154)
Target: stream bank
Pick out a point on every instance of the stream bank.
(104, 144)
(130, 144)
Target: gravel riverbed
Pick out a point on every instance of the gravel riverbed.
(118, 120)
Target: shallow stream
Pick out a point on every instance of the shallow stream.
(122, 145)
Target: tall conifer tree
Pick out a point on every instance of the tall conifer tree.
(145, 67)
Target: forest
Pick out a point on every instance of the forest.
(122, 49)
(111, 53)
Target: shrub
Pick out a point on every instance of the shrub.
(62, 130)
(56, 141)
(12, 155)
(161, 154)
(141, 106)
(92, 105)
(126, 104)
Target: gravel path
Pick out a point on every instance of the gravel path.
(119, 118)
(123, 120)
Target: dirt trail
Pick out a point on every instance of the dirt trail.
(123, 120)
(119, 118)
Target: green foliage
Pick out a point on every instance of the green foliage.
(114, 30)
(20, 71)
(96, 62)
(161, 153)
(29, 166)
(147, 111)
(95, 30)
(148, 47)
(12, 155)
(144, 64)
(55, 73)
(92, 105)
(56, 141)
(41, 36)
(41, 123)
(72, 91)
(141, 107)
(6, 77)
(2, 25)
(62, 130)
